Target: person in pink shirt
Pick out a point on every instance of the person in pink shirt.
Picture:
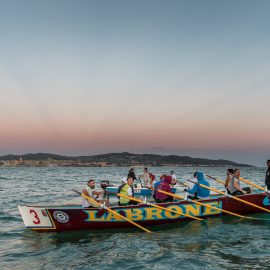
(165, 185)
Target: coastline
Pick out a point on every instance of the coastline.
(123, 159)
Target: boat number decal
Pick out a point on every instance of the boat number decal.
(61, 216)
(36, 218)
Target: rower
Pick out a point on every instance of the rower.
(127, 189)
(173, 175)
(190, 189)
(90, 192)
(267, 178)
(152, 179)
(195, 191)
(156, 183)
(165, 185)
(131, 173)
(228, 179)
(234, 185)
(145, 177)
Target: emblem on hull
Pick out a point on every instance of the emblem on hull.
(61, 216)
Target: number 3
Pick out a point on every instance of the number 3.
(36, 218)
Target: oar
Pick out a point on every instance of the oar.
(97, 204)
(182, 183)
(204, 204)
(221, 182)
(240, 178)
(211, 195)
(230, 196)
(251, 183)
(156, 206)
(93, 202)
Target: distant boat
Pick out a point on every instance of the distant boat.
(137, 191)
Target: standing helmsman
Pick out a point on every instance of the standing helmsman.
(267, 177)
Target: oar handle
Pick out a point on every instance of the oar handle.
(189, 180)
(219, 181)
(182, 183)
(250, 183)
(92, 202)
(202, 185)
(76, 191)
(209, 176)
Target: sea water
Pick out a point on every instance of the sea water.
(218, 243)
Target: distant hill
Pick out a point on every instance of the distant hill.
(126, 159)
(37, 156)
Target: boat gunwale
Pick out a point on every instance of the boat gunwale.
(79, 206)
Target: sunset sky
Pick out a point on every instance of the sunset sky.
(167, 77)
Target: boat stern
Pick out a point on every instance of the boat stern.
(36, 218)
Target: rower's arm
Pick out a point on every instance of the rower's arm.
(85, 192)
(235, 184)
(192, 189)
(227, 181)
(97, 192)
(173, 182)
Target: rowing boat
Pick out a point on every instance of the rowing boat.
(74, 217)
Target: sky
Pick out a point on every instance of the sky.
(185, 77)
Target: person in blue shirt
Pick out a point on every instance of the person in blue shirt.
(196, 191)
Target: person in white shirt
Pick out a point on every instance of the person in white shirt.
(145, 177)
(173, 175)
(90, 192)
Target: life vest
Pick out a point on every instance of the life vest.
(120, 187)
(123, 191)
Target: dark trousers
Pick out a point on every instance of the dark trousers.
(192, 197)
(168, 199)
(129, 203)
(268, 189)
(238, 192)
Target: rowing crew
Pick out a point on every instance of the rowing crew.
(194, 190)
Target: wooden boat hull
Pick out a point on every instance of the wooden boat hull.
(68, 218)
